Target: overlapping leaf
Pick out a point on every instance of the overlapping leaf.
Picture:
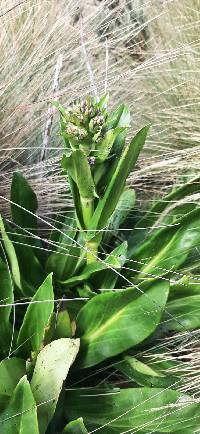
(21, 413)
(108, 202)
(167, 249)
(36, 318)
(134, 410)
(51, 369)
(110, 323)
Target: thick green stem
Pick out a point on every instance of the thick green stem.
(93, 245)
(87, 210)
(92, 251)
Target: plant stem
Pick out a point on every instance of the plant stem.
(91, 246)
(87, 209)
(92, 251)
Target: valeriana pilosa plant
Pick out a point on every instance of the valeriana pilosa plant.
(104, 298)
(97, 162)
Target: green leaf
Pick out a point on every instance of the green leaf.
(103, 101)
(168, 248)
(123, 208)
(143, 374)
(119, 118)
(184, 431)
(113, 322)
(63, 328)
(28, 249)
(10, 250)
(61, 109)
(108, 278)
(143, 227)
(31, 271)
(75, 427)
(23, 195)
(36, 318)
(11, 371)
(64, 229)
(23, 208)
(133, 410)
(78, 168)
(63, 264)
(108, 203)
(87, 272)
(77, 202)
(186, 286)
(184, 314)
(21, 414)
(105, 146)
(79, 171)
(51, 369)
(91, 269)
(7, 297)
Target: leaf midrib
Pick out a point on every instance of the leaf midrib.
(110, 321)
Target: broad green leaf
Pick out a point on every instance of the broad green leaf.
(10, 250)
(143, 227)
(63, 264)
(184, 314)
(31, 271)
(28, 249)
(105, 146)
(51, 369)
(119, 118)
(36, 318)
(186, 286)
(11, 371)
(117, 148)
(108, 278)
(75, 427)
(168, 248)
(64, 229)
(77, 202)
(184, 431)
(21, 414)
(86, 291)
(63, 328)
(107, 204)
(101, 169)
(67, 258)
(143, 374)
(113, 260)
(123, 208)
(23, 195)
(113, 322)
(133, 410)
(6, 294)
(87, 272)
(23, 208)
(103, 101)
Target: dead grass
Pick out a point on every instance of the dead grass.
(151, 62)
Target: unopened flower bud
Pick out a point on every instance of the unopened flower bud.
(82, 133)
(91, 161)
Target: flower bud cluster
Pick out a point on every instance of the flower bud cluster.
(76, 132)
(84, 120)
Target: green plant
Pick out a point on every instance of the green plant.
(88, 314)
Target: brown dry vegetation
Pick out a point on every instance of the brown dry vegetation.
(145, 52)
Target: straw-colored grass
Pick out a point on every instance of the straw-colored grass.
(144, 52)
